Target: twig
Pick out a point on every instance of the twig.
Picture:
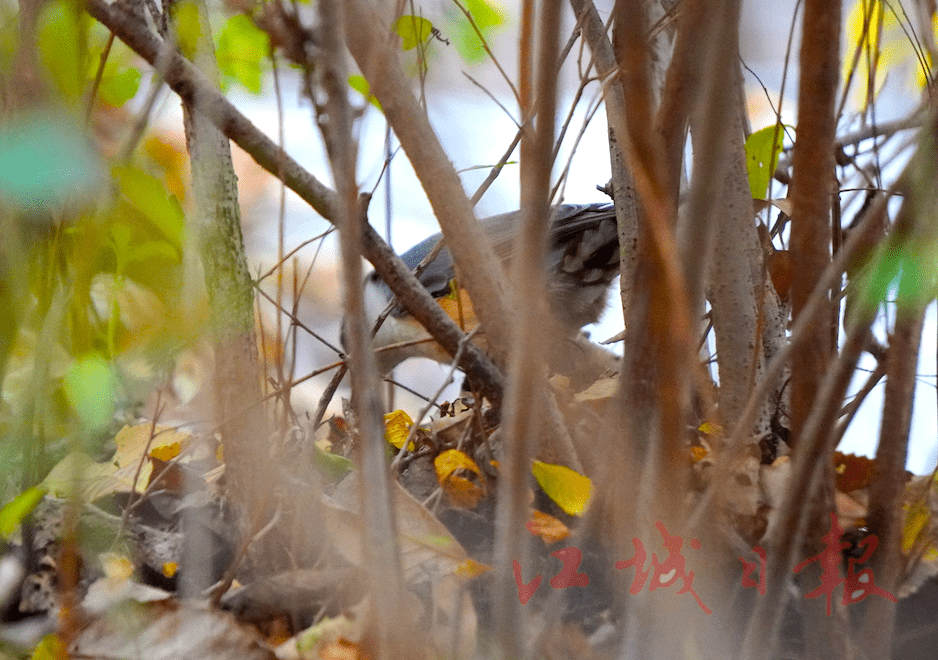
(217, 590)
(327, 395)
(99, 74)
(297, 322)
(192, 87)
(432, 400)
(143, 457)
(485, 45)
(494, 99)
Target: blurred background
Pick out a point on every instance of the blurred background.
(474, 114)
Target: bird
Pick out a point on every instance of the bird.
(582, 260)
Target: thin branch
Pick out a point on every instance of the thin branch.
(182, 77)
(485, 45)
(431, 401)
(298, 323)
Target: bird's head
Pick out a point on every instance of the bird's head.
(582, 260)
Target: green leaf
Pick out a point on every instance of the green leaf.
(762, 154)
(147, 194)
(488, 17)
(917, 275)
(360, 85)
(90, 389)
(414, 30)
(242, 52)
(906, 274)
(50, 648)
(332, 466)
(188, 28)
(60, 33)
(118, 85)
(570, 490)
(22, 505)
(77, 475)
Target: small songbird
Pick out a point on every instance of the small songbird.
(582, 260)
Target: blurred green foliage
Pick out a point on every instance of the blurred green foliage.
(488, 17)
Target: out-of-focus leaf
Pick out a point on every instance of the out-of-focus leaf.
(360, 85)
(488, 17)
(471, 569)
(429, 554)
(549, 528)
(396, 427)
(320, 638)
(50, 648)
(61, 29)
(119, 86)
(188, 27)
(906, 274)
(90, 389)
(711, 428)
(571, 491)
(601, 390)
(147, 195)
(762, 152)
(22, 505)
(783, 205)
(447, 462)
(94, 480)
(413, 30)
(455, 470)
(852, 472)
(132, 441)
(886, 44)
(242, 52)
(44, 160)
(331, 465)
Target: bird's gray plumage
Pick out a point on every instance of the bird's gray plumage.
(582, 259)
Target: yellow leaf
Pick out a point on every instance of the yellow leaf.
(711, 428)
(94, 480)
(451, 460)
(570, 490)
(132, 441)
(188, 28)
(396, 427)
(601, 390)
(340, 649)
(549, 528)
(167, 453)
(170, 568)
(116, 567)
(471, 568)
(916, 521)
(50, 648)
(462, 490)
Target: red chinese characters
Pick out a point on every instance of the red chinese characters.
(568, 576)
(663, 573)
(749, 567)
(857, 586)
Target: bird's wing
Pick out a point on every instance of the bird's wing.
(583, 237)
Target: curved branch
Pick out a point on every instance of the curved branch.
(191, 86)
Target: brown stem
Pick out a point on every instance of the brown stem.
(481, 272)
(192, 87)
(811, 187)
